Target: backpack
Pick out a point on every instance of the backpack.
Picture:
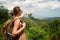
(8, 30)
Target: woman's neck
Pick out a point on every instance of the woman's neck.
(18, 15)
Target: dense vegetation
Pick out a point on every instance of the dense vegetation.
(36, 29)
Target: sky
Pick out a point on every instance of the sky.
(38, 8)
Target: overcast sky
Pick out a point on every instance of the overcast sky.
(39, 8)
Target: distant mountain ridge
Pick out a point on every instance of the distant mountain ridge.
(52, 18)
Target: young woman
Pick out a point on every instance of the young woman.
(18, 32)
(18, 28)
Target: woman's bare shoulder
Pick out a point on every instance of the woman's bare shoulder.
(16, 20)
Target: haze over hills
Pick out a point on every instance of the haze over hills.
(51, 18)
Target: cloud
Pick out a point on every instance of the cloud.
(35, 4)
(2, 0)
(32, 6)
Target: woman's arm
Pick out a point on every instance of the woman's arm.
(16, 26)
(22, 15)
(22, 28)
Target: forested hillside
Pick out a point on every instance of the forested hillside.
(36, 29)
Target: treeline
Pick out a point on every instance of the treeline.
(36, 29)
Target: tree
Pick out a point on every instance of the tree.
(30, 16)
(4, 15)
(54, 29)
